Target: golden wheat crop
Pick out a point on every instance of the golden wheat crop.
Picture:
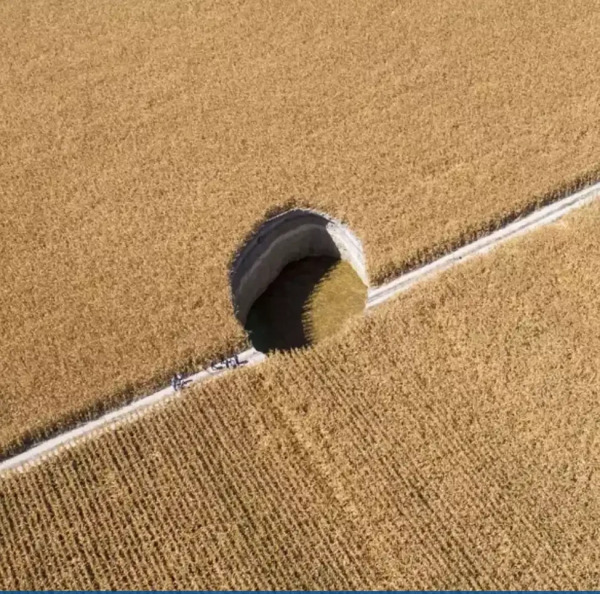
(141, 141)
(447, 440)
(338, 297)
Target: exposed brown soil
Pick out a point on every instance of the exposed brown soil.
(447, 440)
(141, 141)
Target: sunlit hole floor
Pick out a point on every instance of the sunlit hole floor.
(310, 300)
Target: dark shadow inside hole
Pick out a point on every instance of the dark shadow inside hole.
(276, 319)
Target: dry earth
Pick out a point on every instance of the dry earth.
(141, 141)
(447, 440)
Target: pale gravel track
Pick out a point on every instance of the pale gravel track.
(376, 296)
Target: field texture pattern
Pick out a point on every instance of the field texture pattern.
(141, 141)
(448, 440)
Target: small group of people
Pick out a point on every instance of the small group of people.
(232, 362)
(227, 363)
(177, 382)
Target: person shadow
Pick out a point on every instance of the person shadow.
(276, 320)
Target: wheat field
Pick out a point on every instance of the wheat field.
(447, 440)
(142, 141)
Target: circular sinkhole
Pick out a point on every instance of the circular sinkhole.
(297, 279)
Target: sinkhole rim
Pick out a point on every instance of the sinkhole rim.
(282, 239)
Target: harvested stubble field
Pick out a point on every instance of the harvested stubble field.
(141, 141)
(448, 440)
